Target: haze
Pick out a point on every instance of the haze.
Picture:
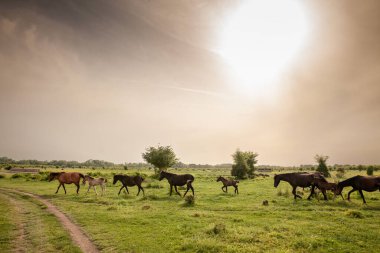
(106, 79)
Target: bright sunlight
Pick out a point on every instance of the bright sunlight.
(260, 39)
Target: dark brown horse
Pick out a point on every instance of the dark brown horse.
(299, 179)
(359, 183)
(324, 186)
(227, 183)
(66, 178)
(129, 181)
(178, 180)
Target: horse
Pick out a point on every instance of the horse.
(66, 178)
(359, 183)
(129, 181)
(178, 180)
(299, 179)
(324, 186)
(227, 183)
(93, 182)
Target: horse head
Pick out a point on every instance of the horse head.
(85, 179)
(162, 175)
(115, 179)
(219, 179)
(276, 180)
(53, 175)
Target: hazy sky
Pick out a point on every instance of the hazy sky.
(106, 79)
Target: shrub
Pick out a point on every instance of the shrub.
(355, 214)
(370, 170)
(322, 167)
(219, 229)
(244, 164)
(17, 175)
(189, 200)
(2, 176)
(8, 167)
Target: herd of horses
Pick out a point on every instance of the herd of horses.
(295, 179)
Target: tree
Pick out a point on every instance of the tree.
(161, 157)
(370, 170)
(244, 164)
(322, 167)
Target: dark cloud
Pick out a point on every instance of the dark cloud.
(105, 79)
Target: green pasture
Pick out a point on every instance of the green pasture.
(216, 222)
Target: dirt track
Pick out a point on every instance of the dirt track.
(76, 233)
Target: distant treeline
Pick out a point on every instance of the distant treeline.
(97, 163)
(104, 164)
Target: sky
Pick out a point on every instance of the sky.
(105, 80)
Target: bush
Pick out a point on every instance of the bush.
(219, 229)
(355, 214)
(189, 200)
(8, 167)
(370, 170)
(2, 176)
(17, 175)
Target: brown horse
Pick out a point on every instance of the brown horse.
(324, 186)
(299, 179)
(129, 181)
(227, 183)
(178, 180)
(359, 183)
(66, 178)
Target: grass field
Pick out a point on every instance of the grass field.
(217, 222)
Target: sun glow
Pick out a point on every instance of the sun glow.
(259, 41)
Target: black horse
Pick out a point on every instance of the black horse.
(298, 179)
(359, 183)
(178, 180)
(129, 181)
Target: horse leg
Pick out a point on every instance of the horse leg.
(361, 194)
(171, 189)
(126, 188)
(95, 190)
(89, 186)
(58, 188)
(63, 185)
(223, 188)
(142, 190)
(176, 190)
(120, 190)
(295, 193)
(312, 192)
(349, 193)
(236, 190)
(192, 189)
(138, 192)
(324, 194)
(186, 190)
(78, 186)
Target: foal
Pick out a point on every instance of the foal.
(324, 186)
(178, 180)
(227, 183)
(93, 182)
(129, 181)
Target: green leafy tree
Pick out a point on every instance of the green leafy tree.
(370, 170)
(161, 158)
(244, 164)
(322, 167)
